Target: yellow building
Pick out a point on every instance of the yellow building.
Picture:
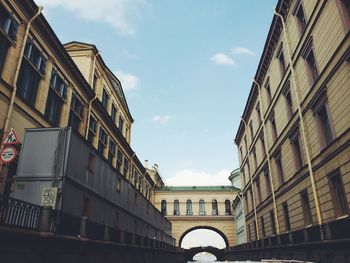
(46, 84)
(294, 137)
(198, 207)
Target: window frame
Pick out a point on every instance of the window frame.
(335, 194)
(306, 207)
(302, 25)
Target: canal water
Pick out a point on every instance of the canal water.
(208, 258)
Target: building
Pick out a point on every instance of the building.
(294, 137)
(45, 84)
(198, 207)
(237, 208)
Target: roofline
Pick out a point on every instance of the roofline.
(281, 5)
(198, 188)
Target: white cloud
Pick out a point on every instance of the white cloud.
(123, 15)
(129, 81)
(221, 58)
(161, 119)
(242, 50)
(191, 178)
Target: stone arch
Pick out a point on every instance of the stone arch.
(204, 227)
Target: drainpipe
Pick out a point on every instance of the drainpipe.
(268, 157)
(95, 97)
(14, 84)
(302, 126)
(251, 182)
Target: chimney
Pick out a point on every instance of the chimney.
(146, 164)
(155, 167)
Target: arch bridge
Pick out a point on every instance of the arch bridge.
(218, 253)
(198, 207)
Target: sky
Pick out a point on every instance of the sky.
(186, 68)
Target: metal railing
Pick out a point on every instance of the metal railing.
(333, 230)
(20, 214)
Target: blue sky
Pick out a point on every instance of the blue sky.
(186, 67)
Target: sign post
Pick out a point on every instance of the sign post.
(7, 154)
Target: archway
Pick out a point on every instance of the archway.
(204, 227)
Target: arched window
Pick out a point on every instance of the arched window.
(227, 207)
(201, 207)
(163, 207)
(189, 207)
(176, 207)
(214, 207)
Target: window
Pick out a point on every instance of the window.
(111, 151)
(267, 181)
(323, 120)
(246, 203)
(120, 162)
(273, 125)
(305, 204)
(248, 167)
(262, 140)
(268, 92)
(309, 57)
(76, 113)
(344, 6)
(163, 207)
(102, 141)
(257, 108)
(92, 129)
(201, 207)
(121, 124)
(249, 233)
(251, 198)
(262, 226)
(254, 157)
(176, 207)
(8, 33)
(279, 167)
(94, 84)
(189, 207)
(251, 130)
(300, 16)
(114, 113)
(105, 99)
(298, 159)
(119, 185)
(241, 152)
(280, 57)
(57, 95)
(32, 70)
(286, 216)
(125, 166)
(288, 99)
(228, 207)
(258, 189)
(214, 207)
(273, 222)
(338, 194)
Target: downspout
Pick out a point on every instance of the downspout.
(14, 83)
(268, 158)
(302, 126)
(95, 97)
(251, 182)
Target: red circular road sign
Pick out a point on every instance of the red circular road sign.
(8, 154)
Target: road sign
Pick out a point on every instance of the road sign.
(8, 154)
(11, 138)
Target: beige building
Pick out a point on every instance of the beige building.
(198, 207)
(46, 84)
(294, 137)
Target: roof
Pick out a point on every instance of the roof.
(197, 188)
(116, 84)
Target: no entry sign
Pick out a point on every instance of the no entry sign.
(8, 154)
